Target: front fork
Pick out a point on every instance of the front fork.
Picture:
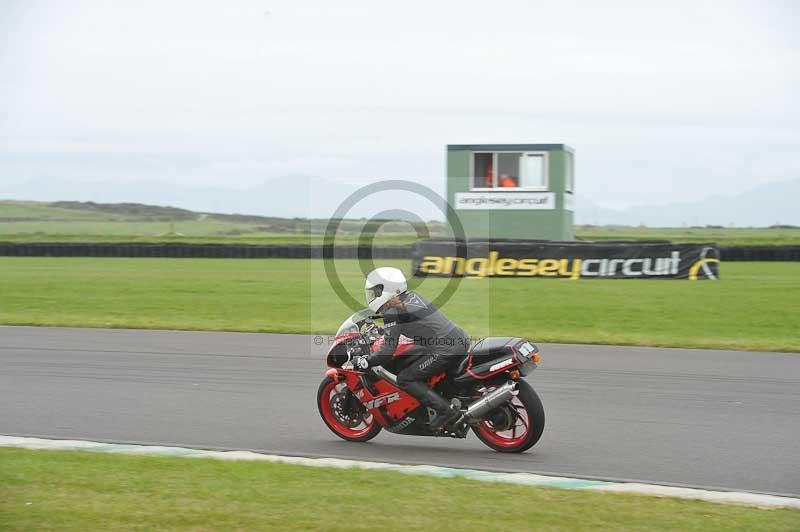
(352, 404)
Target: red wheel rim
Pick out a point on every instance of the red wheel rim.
(513, 436)
(327, 412)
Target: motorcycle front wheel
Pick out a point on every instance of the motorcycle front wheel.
(345, 423)
(516, 426)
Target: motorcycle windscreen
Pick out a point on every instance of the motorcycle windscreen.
(353, 323)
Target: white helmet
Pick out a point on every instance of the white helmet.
(382, 285)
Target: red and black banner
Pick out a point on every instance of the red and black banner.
(565, 260)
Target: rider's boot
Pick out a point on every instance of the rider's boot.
(446, 414)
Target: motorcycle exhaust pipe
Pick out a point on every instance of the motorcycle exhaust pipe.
(487, 403)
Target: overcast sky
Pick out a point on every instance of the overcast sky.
(661, 104)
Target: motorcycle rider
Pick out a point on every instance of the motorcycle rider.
(413, 316)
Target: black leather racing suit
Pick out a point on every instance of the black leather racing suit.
(444, 343)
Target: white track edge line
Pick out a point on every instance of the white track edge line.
(528, 479)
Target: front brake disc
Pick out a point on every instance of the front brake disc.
(346, 416)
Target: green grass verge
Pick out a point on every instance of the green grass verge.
(724, 236)
(45, 490)
(26, 221)
(754, 306)
(237, 233)
(193, 235)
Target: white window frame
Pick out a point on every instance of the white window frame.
(523, 154)
(569, 173)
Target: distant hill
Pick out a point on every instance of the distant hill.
(133, 210)
(75, 221)
(315, 198)
(764, 206)
(296, 196)
(142, 212)
(66, 212)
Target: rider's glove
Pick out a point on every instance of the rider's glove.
(360, 363)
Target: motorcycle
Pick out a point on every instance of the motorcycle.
(487, 386)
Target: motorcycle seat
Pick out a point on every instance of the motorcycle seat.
(491, 347)
(483, 350)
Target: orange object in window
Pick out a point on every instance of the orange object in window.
(507, 181)
(489, 176)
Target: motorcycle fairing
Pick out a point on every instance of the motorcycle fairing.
(388, 403)
(337, 354)
(405, 347)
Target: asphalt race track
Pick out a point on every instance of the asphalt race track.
(721, 419)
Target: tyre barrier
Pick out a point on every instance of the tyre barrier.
(197, 251)
(243, 251)
(760, 253)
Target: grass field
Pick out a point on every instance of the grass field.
(148, 232)
(728, 236)
(43, 222)
(41, 490)
(754, 306)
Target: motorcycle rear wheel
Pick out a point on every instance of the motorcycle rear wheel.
(527, 429)
(327, 389)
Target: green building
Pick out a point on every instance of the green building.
(512, 190)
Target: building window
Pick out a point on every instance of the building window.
(535, 171)
(509, 170)
(483, 170)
